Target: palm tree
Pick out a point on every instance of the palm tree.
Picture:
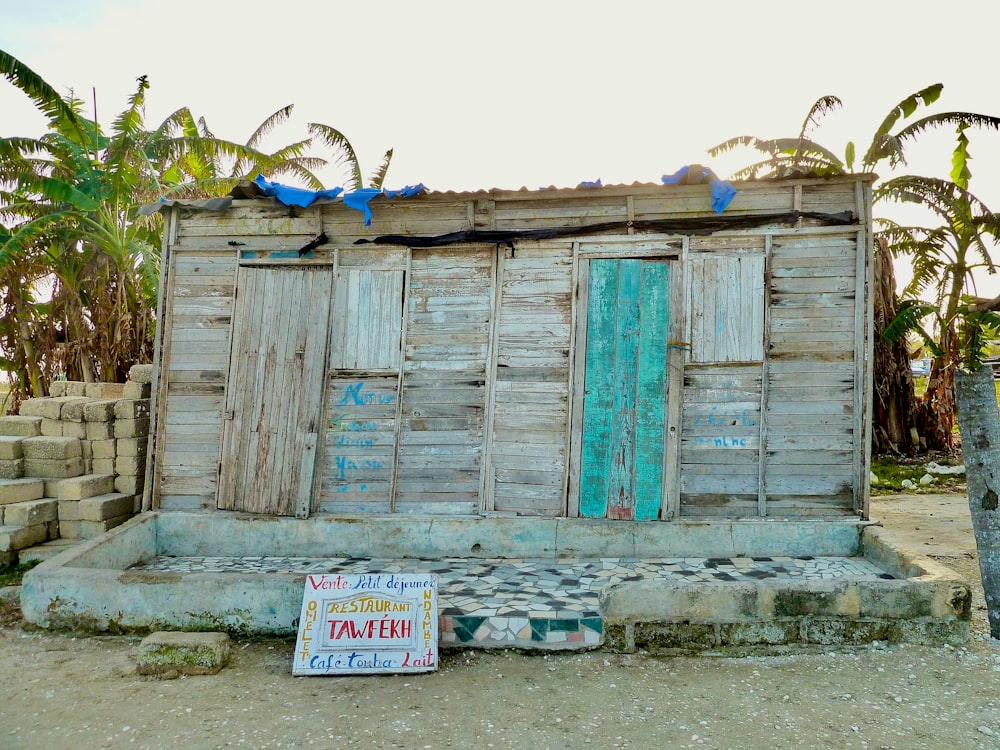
(944, 258)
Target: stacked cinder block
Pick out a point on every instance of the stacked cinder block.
(73, 462)
(88, 506)
(27, 518)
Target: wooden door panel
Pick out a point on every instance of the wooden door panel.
(275, 390)
(622, 456)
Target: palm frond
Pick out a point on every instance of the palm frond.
(731, 144)
(822, 106)
(881, 147)
(46, 98)
(344, 154)
(378, 176)
(269, 124)
(950, 119)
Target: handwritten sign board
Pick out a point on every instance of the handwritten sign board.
(362, 623)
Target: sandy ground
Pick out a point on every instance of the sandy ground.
(63, 692)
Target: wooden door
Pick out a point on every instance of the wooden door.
(622, 455)
(274, 394)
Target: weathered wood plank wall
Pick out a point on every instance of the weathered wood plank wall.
(454, 373)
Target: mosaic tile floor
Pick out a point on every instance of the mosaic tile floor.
(500, 602)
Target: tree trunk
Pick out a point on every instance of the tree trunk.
(979, 423)
(894, 404)
(936, 411)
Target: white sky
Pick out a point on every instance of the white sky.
(504, 94)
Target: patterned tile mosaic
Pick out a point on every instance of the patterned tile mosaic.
(500, 602)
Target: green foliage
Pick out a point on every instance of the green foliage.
(11, 575)
(79, 266)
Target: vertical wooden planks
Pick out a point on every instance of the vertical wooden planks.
(529, 404)
(275, 389)
(727, 303)
(602, 313)
(621, 493)
(652, 388)
(441, 436)
(622, 459)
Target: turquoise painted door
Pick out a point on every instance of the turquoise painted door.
(621, 466)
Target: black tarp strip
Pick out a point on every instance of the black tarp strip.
(693, 225)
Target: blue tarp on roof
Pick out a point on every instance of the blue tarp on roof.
(695, 174)
(356, 199)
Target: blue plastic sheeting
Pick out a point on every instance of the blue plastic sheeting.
(293, 196)
(590, 184)
(722, 192)
(357, 199)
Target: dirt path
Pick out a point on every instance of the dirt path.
(61, 692)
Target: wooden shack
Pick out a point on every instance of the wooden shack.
(614, 352)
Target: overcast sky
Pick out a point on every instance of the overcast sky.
(508, 94)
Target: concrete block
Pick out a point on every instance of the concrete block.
(99, 411)
(52, 527)
(104, 448)
(21, 425)
(89, 485)
(46, 551)
(57, 388)
(76, 388)
(103, 466)
(88, 466)
(52, 427)
(42, 407)
(86, 449)
(70, 529)
(141, 373)
(51, 447)
(100, 430)
(10, 447)
(53, 468)
(129, 485)
(53, 408)
(104, 390)
(130, 465)
(131, 447)
(137, 390)
(14, 538)
(136, 503)
(895, 599)
(764, 633)
(21, 490)
(72, 410)
(104, 507)
(31, 512)
(675, 635)
(77, 430)
(126, 428)
(817, 599)
(132, 408)
(183, 653)
(90, 529)
(11, 469)
(69, 510)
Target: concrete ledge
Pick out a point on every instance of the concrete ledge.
(90, 587)
(929, 604)
(234, 534)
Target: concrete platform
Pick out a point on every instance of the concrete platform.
(514, 582)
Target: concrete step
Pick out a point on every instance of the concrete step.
(547, 604)
(46, 551)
